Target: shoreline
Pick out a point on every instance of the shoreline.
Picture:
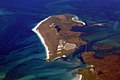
(76, 19)
(41, 37)
(78, 77)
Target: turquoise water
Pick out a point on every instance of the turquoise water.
(22, 55)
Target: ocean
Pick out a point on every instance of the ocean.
(22, 55)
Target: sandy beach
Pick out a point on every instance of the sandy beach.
(46, 29)
(78, 77)
(76, 19)
(40, 36)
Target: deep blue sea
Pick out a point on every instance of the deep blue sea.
(22, 55)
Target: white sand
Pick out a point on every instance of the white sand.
(76, 19)
(40, 36)
(78, 77)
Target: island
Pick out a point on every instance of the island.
(60, 41)
(57, 37)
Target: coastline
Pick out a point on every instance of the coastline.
(41, 38)
(76, 19)
(78, 77)
(39, 34)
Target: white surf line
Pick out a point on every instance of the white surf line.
(40, 36)
(76, 19)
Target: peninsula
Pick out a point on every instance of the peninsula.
(57, 37)
(59, 40)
